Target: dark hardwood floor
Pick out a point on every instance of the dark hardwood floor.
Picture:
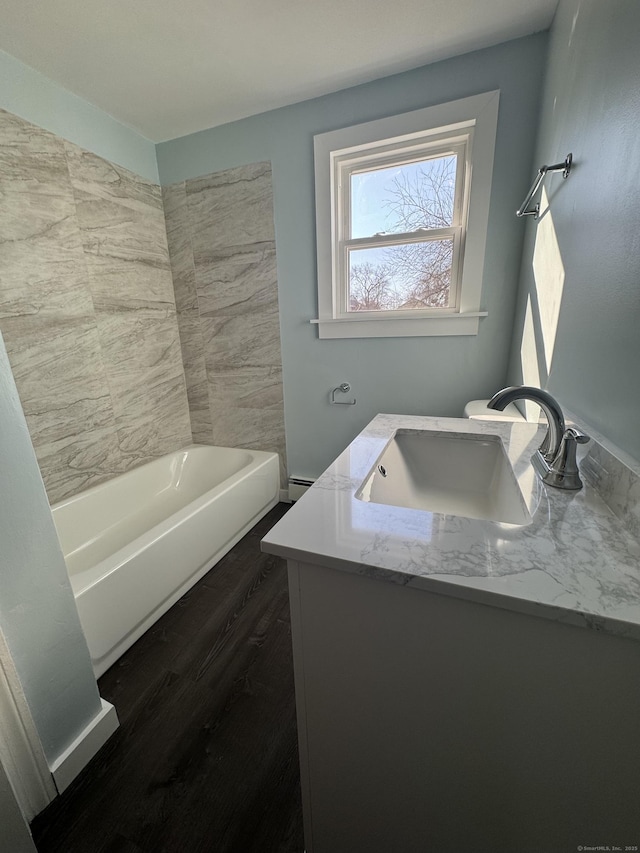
(205, 758)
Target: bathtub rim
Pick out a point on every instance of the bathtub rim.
(105, 484)
(85, 579)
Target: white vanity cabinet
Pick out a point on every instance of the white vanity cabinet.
(463, 684)
(430, 724)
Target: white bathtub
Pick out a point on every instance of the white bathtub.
(135, 544)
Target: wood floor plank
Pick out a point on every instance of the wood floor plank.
(206, 755)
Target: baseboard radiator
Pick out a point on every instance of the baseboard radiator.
(298, 486)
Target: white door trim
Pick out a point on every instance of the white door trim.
(21, 752)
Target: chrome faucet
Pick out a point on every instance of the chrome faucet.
(555, 459)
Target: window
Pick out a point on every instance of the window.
(400, 223)
(400, 227)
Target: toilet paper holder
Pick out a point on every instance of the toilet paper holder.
(344, 388)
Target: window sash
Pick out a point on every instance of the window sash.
(345, 166)
(401, 238)
(341, 303)
(392, 154)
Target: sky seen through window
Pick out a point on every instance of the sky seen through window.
(393, 200)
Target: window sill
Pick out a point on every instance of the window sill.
(365, 327)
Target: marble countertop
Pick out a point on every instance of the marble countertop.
(574, 563)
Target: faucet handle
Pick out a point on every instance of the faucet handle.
(576, 435)
(563, 471)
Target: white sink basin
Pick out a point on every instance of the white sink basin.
(450, 473)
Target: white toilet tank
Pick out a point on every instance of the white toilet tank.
(477, 409)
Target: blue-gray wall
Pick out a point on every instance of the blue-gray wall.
(578, 320)
(434, 376)
(38, 616)
(32, 96)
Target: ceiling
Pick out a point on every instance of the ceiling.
(169, 68)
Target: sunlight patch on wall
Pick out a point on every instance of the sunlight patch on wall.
(548, 272)
(529, 359)
(543, 305)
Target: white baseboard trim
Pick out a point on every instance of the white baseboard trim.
(67, 766)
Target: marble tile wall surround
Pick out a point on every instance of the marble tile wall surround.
(122, 226)
(184, 284)
(46, 312)
(86, 310)
(222, 245)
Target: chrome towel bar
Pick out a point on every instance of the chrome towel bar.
(565, 168)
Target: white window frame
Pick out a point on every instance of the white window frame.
(353, 160)
(470, 123)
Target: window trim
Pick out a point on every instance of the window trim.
(477, 114)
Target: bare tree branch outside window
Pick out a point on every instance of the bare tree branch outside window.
(416, 274)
